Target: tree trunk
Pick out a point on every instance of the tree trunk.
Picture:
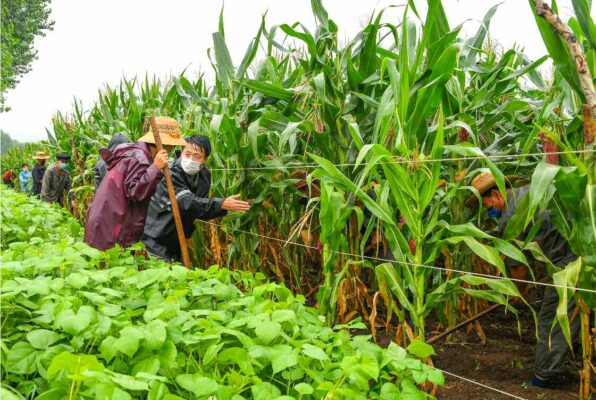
(585, 79)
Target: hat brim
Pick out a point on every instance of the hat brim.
(166, 140)
(41, 158)
(486, 183)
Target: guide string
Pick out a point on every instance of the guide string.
(402, 161)
(579, 289)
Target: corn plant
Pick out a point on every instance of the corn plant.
(299, 96)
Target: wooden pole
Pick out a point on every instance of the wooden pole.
(482, 313)
(173, 200)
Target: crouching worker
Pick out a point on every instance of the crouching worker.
(551, 349)
(191, 180)
(118, 212)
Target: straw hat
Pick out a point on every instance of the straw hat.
(40, 155)
(484, 181)
(169, 132)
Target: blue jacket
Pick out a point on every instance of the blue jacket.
(24, 179)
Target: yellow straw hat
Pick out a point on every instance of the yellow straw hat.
(485, 181)
(169, 132)
(40, 155)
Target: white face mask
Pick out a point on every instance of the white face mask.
(191, 167)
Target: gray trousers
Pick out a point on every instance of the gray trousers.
(552, 349)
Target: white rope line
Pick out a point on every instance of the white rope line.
(409, 263)
(402, 161)
(482, 385)
(394, 261)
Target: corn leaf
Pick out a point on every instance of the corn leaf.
(584, 18)
(223, 61)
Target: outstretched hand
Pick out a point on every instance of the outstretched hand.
(233, 204)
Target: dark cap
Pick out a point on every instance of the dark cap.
(63, 157)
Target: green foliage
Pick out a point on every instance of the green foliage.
(568, 194)
(373, 110)
(80, 323)
(22, 22)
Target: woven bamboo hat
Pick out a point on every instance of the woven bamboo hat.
(485, 181)
(40, 155)
(169, 132)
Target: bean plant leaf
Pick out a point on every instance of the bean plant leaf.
(267, 331)
(198, 385)
(42, 338)
(420, 349)
(314, 352)
(21, 359)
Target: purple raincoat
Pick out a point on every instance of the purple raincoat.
(117, 214)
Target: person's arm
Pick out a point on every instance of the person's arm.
(36, 177)
(141, 180)
(195, 207)
(192, 206)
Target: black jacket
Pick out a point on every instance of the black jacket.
(191, 192)
(100, 165)
(38, 173)
(554, 246)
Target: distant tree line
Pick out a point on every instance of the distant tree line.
(7, 143)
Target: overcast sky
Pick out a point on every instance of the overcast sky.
(96, 42)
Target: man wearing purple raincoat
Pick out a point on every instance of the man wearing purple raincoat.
(117, 214)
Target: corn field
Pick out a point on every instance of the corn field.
(357, 157)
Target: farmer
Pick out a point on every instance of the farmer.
(191, 180)
(7, 178)
(551, 349)
(25, 178)
(100, 165)
(38, 171)
(117, 214)
(56, 181)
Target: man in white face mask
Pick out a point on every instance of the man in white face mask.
(192, 181)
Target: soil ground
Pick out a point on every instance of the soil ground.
(504, 362)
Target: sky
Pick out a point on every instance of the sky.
(97, 42)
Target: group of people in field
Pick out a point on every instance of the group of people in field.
(131, 201)
(132, 204)
(50, 184)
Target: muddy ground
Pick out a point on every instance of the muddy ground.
(504, 362)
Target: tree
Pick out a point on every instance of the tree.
(22, 22)
(7, 143)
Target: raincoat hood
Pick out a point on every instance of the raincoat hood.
(138, 150)
(117, 138)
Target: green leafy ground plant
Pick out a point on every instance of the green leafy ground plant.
(78, 323)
